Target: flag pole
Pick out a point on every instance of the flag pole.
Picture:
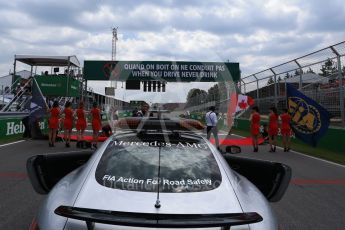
(39, 90)
(286, 97)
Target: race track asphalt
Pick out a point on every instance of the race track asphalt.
(314, 200)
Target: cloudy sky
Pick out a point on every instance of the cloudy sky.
(255, 33)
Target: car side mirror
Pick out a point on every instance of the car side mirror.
(46, 170)
(233, 149)
(271, 178)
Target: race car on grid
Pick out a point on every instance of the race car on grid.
(157, 174)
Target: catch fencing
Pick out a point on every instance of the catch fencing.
(319, 75)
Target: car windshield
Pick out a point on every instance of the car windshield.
(132, 163)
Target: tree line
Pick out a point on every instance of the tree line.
(328, 68)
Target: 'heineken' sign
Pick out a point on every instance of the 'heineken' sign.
(161, 70)
(14, 126)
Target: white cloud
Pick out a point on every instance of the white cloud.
(12, 18)
(97, 18)
(258, 34)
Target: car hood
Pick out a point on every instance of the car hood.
(220, 200)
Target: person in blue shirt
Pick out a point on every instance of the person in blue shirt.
(211, 122)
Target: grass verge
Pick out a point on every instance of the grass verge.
(5, 140)
(337, 157)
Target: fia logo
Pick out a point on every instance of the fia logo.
(305, 118)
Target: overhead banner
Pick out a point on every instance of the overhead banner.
(58, 86)
(161, 70)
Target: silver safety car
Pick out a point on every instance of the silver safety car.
(156, 175)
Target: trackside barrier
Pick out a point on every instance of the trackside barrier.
(333, 139)
(12, 127)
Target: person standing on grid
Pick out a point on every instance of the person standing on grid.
(211, 122)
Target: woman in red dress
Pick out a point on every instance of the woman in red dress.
(96, 124)
(81, 124)
(286, 129)
(255, 127)
(68, 123)
(53, 123)
(272, 128)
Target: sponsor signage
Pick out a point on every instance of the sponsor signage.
(58, 86)
(161, 70)
(14, 126)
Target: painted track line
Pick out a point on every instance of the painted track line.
(305, 155)
(12, 143)
(316, 158)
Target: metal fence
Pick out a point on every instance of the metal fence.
(319, 75)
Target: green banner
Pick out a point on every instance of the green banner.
(14, 126)
(58, 85)
(161, 70)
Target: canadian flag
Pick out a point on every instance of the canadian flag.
(238, 102)
(243, 102)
